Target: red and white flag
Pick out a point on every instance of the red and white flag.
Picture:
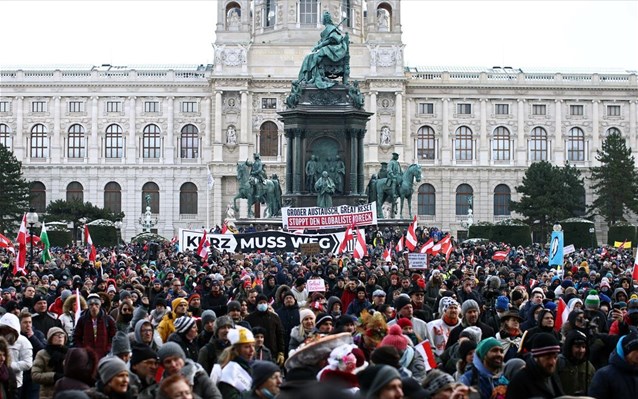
(500, 256)
(90, 248)
(21, 256)
(427, 247)
(202, 248)
(562, 312)
(425, 349)
(447, 246)
(224, 228)
(5, 242)
(634, 273)
(387, 256)
(436, 248)
(360, 247)
(347, 237)
(78, 307)
(400, 245)
(410, 238)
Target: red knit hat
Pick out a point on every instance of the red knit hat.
(395, 338)
(403, 322)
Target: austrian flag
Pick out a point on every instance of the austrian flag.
(21, 257)
(202, 248)
(90, 248)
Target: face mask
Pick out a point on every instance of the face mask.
(262, 307)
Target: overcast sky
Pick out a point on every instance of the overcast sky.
(543, 33)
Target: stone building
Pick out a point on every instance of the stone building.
(112, 134)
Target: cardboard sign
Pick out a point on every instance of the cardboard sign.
(569, 249)
(316, 285)
(312, 248)
(417, 260)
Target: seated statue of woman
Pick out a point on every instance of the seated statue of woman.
(333, 46)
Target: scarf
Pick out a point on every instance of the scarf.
(57, 354)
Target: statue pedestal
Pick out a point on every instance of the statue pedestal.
(325, 123)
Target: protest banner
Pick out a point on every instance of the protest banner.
(417, 260)
(315, 218)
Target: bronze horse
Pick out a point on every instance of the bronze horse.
(256, 192)
(405, 190)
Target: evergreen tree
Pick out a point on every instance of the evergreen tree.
(548, 194)
(14, 192)
(615, 181)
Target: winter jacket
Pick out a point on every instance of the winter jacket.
(200, 381)
(575, 375)
(529, 382)
(274, 337)
(216, 303)
(482, 379)
(47, 370)
(44, 321)
(357, 306)
(297, 337)
(616, 380)
(100, 342)
(80, 369)
(21, 351)
(190, 348)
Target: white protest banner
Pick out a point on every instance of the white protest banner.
(569, 249)
(315, 218)
(316, 285)
(417, 260)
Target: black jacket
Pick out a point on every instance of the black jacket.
(529, 383)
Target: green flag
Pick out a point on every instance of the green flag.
(44, 237)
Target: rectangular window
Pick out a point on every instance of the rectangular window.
(113, 106)
(76, 106)
(39, 106)
(502, 109)
(189, 106)
(539, 109)
(464, 109)
(576, 110)
(268, 103)
(151, 106)
(308, 12)
(426, 108)
(613, 110)
(5, 106)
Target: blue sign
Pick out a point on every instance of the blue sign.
(556, 249)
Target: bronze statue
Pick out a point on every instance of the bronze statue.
(394, 172)
(325, 188)
(312, 172)
(329, 58)
(340, 173)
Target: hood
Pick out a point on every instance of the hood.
(617, 358)
(10, 320)
(138, 330)
(570, 339)
(67, 307)
(530, 313)
(618, 291)
(331, 301)
(81, 364)
(191, 369)
(480, 367)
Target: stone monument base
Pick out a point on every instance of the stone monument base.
(310, 200)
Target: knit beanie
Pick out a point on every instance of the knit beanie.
(472, 332)
(404, 322)
(374, 378)
(545, 343)
(303, 313)
(465, 347)
(322, 318)
(183, 324)
(551, 306)
(395, 338)
(54, 330)
(435, 381)
(401, 301)
(388, 355)
(208, 315)
(142, 352)
(468, 305)
(516, 295)
(109, 367)
(223, 321)
(502, 303)
(592, 301)
(65, 294)
(176, 302)
(262, 371)
(170, 349)
(234, 305)
(485, 345)
(121, 343)
(629, 343)
(445, 303)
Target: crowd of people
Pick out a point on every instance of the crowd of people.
(169, 324)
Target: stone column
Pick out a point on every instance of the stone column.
(19, 145)
(169, 146)
(398, 98)
(594, 131)
(55, 146)
(558, 158)
(408, 125)
(218, 138)
(483, 147)
(445, 133)
(131, 142)
(354, 160)
(632, 126)
(520, 157)
(92, 150)
(373, 131)
(243, 136)
(206, 149)
(290, 141)
(360, 157)
(297, 162)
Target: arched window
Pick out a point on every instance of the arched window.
(74, 192)
(425, 142)
(384, 17)
(151, 142)
(501, 144)
(613, 130)
(5, 137)
(113, 142)
(113, 197)
(576, 145)
(268, 139)
(346, 13)
(39, 142)
(426, 200)
(75, 143)
(233, 16)
(538, 145)
(464, 144)
(464, 194)
(502, 197)
(151, 189)
(188, 199)
(38, 196)
(189, 142)
(308, 12)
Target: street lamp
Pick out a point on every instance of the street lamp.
(32, 220)
(118, 229)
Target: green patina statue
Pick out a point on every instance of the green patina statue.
(325, 189)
